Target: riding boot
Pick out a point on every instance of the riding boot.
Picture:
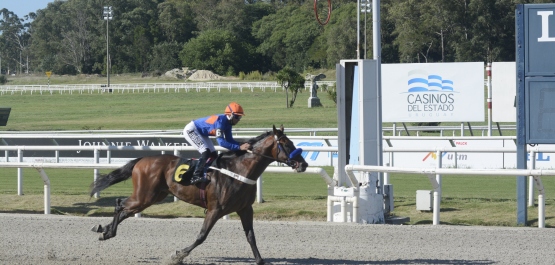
(198, 175)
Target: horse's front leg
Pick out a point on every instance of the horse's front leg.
(246, 215)
(209, 222)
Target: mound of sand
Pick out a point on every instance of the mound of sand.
(203, 75)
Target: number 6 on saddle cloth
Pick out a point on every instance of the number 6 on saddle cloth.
(184, 171)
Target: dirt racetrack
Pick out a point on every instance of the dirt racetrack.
(55, 239)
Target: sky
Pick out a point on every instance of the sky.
(24, 7)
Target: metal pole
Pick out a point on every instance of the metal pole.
(358, 29)
(377, 34)
(108, 15)
(365, 12)
(377, 50)
(108, 51)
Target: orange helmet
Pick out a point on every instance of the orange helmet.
(234, 109)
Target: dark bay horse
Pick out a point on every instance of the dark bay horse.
(224, 194)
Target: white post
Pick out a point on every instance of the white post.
(436, 209)
(330, 210)
(46, 190)
(96, 171)
(19, 173)
(436, 199)
(488, 70)
(531, 179)
(541, 211)
(439, 165)
(541, 202)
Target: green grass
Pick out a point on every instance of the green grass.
(467, 200)
(159, 111)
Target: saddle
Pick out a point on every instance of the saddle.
(186, 167)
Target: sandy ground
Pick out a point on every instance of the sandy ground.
(54, 239)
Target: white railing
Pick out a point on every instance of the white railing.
(331, 183)
(395, 131)
(186, 87)
(433, 172)
(97, 165)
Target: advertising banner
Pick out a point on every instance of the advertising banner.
(433, 92)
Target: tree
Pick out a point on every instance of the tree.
(165, 56)
(14, 40)
(75, 49)
(175, 19)
(340, 35)
(413, 41)
(290, 80)
(286, 36)
(219, 51)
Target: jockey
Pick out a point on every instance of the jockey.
(197, 133)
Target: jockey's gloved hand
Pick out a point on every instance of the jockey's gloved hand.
(245, 146)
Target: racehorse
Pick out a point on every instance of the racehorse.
(224, 194)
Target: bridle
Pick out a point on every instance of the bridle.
(290, 162)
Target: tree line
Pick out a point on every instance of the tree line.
(234, 36)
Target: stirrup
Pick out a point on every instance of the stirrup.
(199, 180)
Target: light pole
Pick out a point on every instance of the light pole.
(365, 7)
(108, 15)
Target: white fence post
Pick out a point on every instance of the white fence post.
(96, 171)
(531, 179)
(19, 173)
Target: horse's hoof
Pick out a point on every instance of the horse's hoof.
(176, 258)
(102, 237)
(97, 228)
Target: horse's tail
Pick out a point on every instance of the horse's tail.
(116, 176)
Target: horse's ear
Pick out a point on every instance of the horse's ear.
(281, 128)
(275, 132)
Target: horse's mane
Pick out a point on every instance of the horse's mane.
(233, 154)
(256, 139)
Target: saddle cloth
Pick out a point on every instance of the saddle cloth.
(184, 171)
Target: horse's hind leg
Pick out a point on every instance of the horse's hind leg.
(123, 210)
(110, 229)
(246, 215)
(209, 222)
